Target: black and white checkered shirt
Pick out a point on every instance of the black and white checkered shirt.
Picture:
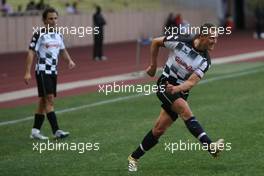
(184, 59)
(47, 47)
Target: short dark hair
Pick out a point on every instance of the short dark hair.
(48, 10)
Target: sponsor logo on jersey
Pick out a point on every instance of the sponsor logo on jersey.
(52, 45)
(181, 62)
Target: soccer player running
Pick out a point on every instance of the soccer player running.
(47, 44)
(187, 63)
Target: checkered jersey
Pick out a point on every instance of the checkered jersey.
(47, 47)
(183, 59)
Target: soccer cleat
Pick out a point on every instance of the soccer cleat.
(216, 147)
(59, 134)
(35, 134)
(132, 164)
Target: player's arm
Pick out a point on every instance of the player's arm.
(154, 51)
(197, 75)
(187, 85)
(30, 56)
(29, 61)
(64, 53)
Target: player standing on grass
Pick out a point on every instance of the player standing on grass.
(47, 44)
(186, 65)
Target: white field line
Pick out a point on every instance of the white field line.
(25, 93)
(128, 97)
(239, 57)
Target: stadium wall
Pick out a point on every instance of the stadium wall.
(16, 32)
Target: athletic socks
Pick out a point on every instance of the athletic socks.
(38, 120)
(195, 128)
(53, 121)
(148, 142)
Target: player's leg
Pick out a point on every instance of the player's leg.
(100, 46)
(38, 121)
(166, 118)
(51, 92)
(151, 138)
(163, 122)
(96, 48)
(51, 115)
(182, 108)
(39, 116)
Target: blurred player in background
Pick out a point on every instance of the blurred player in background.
(186, 65)
(47, 44)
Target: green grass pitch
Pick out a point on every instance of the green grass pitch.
(230, 108)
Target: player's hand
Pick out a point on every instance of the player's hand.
(151, 70)
(27, 78)
(71, 64)
(171, 88)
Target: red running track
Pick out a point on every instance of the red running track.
(121, 59)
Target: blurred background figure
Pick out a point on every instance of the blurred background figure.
(72, 9)
(259, 15)
(229, 22)
(182, 25)
(98, 22)
(69, 8)
(178, 20)
(75, 8)
(170, 22)
(222, 12)
(6, 9)
(41, 5)
(31, 6)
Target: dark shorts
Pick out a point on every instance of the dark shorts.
(47, 84)
(166, 98)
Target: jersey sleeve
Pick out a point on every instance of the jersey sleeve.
(34, 41)
(200, 71)
(170, 42)
(62, 46)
